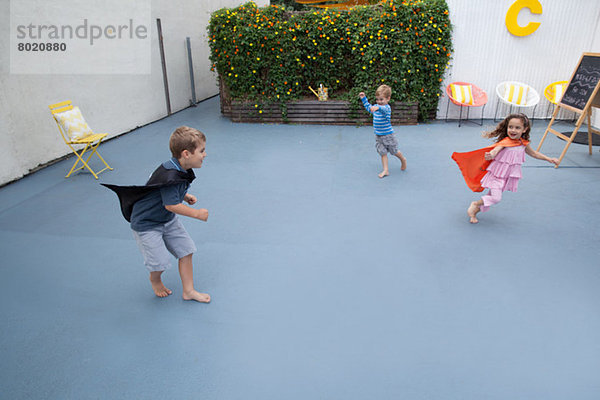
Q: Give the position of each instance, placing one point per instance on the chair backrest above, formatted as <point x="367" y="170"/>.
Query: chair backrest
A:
<point x="532" y="95"/>
<point x="554" y="91"/>
<point x="58" y="108"/>
<point x="479" y="95"/>
<point x="70" y="122"/>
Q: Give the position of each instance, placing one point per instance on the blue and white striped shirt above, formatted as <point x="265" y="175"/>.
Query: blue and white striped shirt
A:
<point x="382" y="118"/>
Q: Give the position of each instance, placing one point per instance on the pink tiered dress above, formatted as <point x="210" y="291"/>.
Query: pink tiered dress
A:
<point x="503" y="174"/>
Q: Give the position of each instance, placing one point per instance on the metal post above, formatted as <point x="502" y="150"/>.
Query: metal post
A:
<point x="191" y="67"/>
<point x="164" y="66"/>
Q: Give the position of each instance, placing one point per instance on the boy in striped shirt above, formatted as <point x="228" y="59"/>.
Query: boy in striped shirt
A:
<point x="385" y="140"/>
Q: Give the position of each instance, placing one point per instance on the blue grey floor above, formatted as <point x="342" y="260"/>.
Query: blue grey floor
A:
<point x="326" y="282"/>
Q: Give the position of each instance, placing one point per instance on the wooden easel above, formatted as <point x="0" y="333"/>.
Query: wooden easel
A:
<point x="581" y="95"/>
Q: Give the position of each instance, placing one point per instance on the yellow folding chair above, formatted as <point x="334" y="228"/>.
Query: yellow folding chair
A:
<point x="75" y="131"/>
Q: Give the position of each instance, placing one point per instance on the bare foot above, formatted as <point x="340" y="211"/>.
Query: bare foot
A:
<point x="383" y="174"/>
<point x="159" y="288"/>
<point x="403" y="161"/>
<point x="472" y="212"/>
<point x="194" y="295"/>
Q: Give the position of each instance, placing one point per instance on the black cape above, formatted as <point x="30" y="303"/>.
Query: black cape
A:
<point x="129" y="195"/>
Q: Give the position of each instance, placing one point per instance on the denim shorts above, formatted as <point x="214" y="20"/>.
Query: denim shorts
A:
<point x="157" y="245"/>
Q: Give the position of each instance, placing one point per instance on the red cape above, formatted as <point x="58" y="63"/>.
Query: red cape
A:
<point x="473" y="164"/>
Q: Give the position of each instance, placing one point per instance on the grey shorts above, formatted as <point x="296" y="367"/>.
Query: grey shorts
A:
<point x="158" y="244"/>
<point x="386" y="144"/>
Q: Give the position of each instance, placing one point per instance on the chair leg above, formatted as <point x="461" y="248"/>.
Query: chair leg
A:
<point x="91" y="149"/>
<point x="496" y="112"/>
<point x="75" y="163"/>
<point x="480" y="123"/>
<point x="447" y="105"/>
<point x="94" y="151"/>
<point x="80" y="159"/>
<point x="482" y="109"/>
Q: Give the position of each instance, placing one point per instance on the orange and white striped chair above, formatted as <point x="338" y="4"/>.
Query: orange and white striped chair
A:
<point x="516" y="94"/>
<point x="465" y="94"/>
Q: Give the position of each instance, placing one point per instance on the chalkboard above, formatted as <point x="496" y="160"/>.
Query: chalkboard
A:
<point x="583" y="83"/>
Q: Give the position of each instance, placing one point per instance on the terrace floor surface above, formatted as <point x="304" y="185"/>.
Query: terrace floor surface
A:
<point x="326" y="281"/>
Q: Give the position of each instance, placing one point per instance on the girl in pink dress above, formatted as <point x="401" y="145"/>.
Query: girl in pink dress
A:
<point x="504" y="171"/>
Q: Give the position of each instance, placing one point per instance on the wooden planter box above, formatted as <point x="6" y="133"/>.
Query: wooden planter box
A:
<point x="331" y="112"/>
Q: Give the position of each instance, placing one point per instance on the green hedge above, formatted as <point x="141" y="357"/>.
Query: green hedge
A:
<point x="270" y="55"/>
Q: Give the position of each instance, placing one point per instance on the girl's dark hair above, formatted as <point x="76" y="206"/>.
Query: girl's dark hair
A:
<point x="501" y="130"/>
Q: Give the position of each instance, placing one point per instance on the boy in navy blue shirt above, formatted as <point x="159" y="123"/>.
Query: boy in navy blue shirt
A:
<point x="152" y="211"/>
<point x="385" y="140"/>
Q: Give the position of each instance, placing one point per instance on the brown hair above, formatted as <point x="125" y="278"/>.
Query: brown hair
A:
<point x="384" y="90"/>
<point x="501" y="130"/>
<point x="185" y="138"/>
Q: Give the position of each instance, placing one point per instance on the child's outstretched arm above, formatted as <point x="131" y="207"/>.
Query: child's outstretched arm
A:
<point x="186" y="211"/>
<point x="366" y="103"/>
<point x="536" y="154"/>
<point x="490" y="155"/>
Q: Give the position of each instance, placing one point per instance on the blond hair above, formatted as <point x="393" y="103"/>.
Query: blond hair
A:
<point x="384" y="90"/>
<point x="185" y="138"/>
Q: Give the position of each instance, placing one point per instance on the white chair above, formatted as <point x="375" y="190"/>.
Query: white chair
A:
<point x="516" y="94"/>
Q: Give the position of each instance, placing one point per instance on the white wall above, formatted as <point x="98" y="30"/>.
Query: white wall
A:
<point x="110" y="103"/>
<point x="485" y="53"/>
